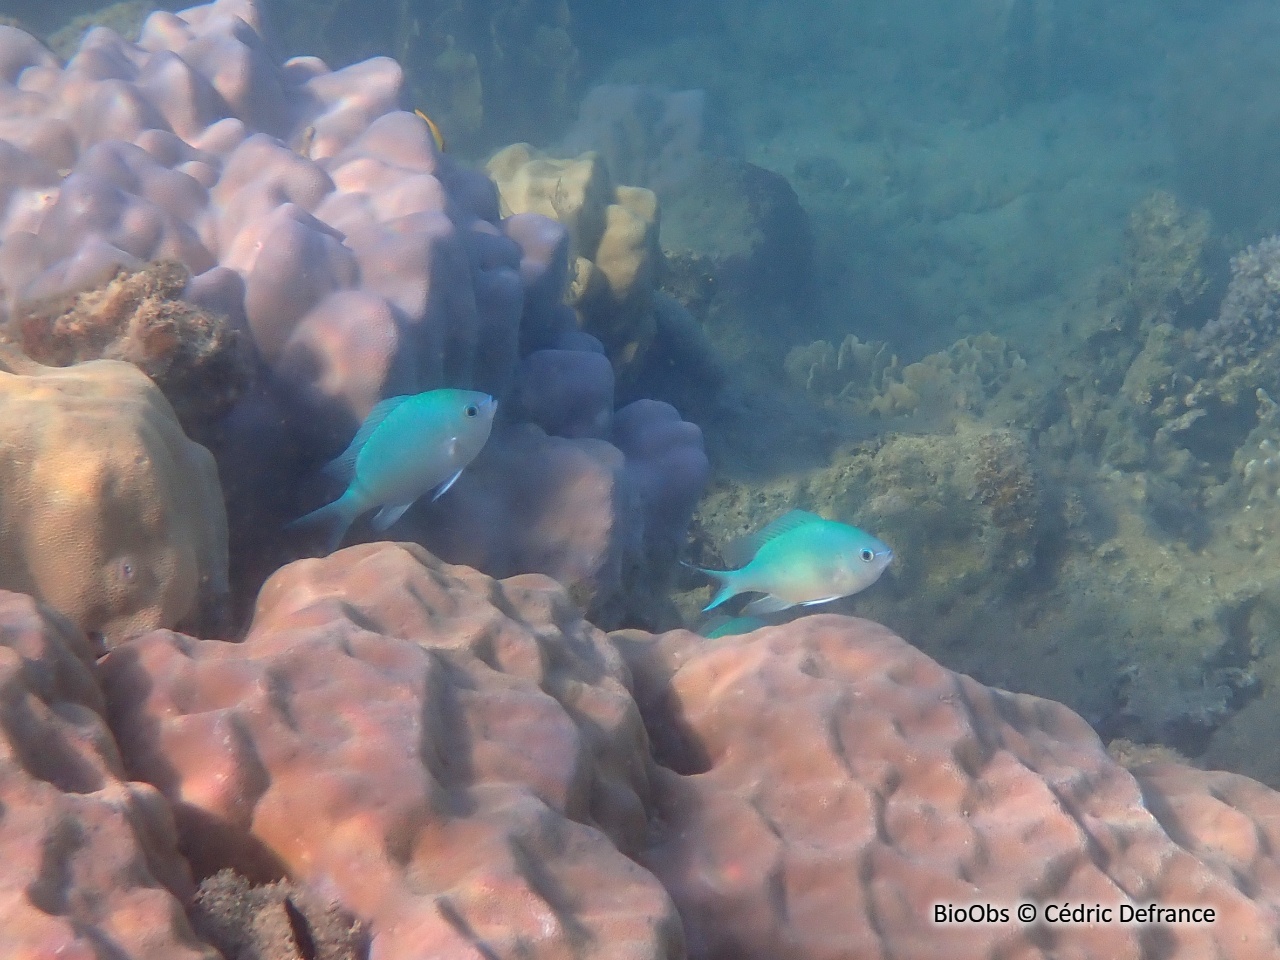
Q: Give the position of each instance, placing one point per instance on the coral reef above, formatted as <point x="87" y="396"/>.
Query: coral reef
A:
<point x="355" y="258"/>
<point x="607" y="513"/>
<point x="645" y="135"/>
<point x="199" y="363"/>
<point x="853" y="371"/>
<point x="791" y="754"/>
<point x="468" y="767"/>
<point x="743" y="222"/>
<point x="747" y="224"/>
<point x="125" y="18"/>
<point x="613" y="232"/>
<point x="508" y="824"/>
<point x="963" y="512"/>
<point x="91" y="857"/>
<point x="1247" y="323"/>
<point x="1168" y="254"/>
<point x="108" y="512"/>
<point x="488" y="72"/>
<point x="965" y="379"/>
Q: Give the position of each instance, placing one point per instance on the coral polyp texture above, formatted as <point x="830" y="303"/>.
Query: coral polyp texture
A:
<point x="308" y="207"/>
<point x="613" y="233"/>
<point x="458" y="761"/>
<point x="356" y="260"/>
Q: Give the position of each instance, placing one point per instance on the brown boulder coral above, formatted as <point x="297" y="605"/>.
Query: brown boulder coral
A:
<point x="613" y="233"/>
<point x="108" y="513"/>
<point x="458" y="761"/>
<point x="91" y="866"/>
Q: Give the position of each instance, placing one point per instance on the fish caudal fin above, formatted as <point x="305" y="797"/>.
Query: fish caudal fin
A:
<point x="337" y="516"/>
<point x="728" y="585"/>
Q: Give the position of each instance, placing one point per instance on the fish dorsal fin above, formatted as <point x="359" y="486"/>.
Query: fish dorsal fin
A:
<point x="343" y="466"/>
<point x="739" y="551"/>
<point x="791" y="520"/>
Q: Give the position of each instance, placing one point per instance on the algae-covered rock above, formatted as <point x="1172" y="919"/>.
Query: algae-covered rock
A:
<point x="199" y="362"/>
<point x="961" y="380"/>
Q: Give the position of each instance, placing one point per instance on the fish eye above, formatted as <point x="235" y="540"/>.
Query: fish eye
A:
<point x="867" y="554"/>
<point x="472" y="411"/>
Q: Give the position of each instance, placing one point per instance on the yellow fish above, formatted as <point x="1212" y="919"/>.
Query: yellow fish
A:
<point x="436" y="135"/>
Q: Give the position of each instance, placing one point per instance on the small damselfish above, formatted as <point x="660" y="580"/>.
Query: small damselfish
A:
<point x="803" y="559"/>
<point x="406" y="447"/>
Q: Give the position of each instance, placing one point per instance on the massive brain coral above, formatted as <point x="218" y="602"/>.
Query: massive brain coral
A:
<point x="358" y="259"/>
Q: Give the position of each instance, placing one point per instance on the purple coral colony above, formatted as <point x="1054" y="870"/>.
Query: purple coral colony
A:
<point x="353" y="260"/>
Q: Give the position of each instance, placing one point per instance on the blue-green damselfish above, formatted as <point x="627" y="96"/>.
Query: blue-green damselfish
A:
<point x="405" y="447"/>
<point x="733" y="627"/>
<point x="802" y="559"/>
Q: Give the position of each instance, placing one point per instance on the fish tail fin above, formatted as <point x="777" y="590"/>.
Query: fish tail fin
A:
<point x="336" y="516"/>
<point x="728" y="584"/>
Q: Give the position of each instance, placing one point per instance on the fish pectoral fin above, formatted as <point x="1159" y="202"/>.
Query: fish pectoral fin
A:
<point x="389" y="515"/>
<point x="445" y="486"/>
<point x="343" y="466"/>
<point x="767" y="604"/>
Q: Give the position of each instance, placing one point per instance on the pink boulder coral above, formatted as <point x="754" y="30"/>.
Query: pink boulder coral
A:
<point x="457" y="760"/>
<point x="461" y="763"/>
<point x="835" y="785"/>
<point x="91" y="865"/>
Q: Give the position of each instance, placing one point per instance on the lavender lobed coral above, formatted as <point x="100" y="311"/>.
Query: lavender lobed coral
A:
<point x="357" y="259"/>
